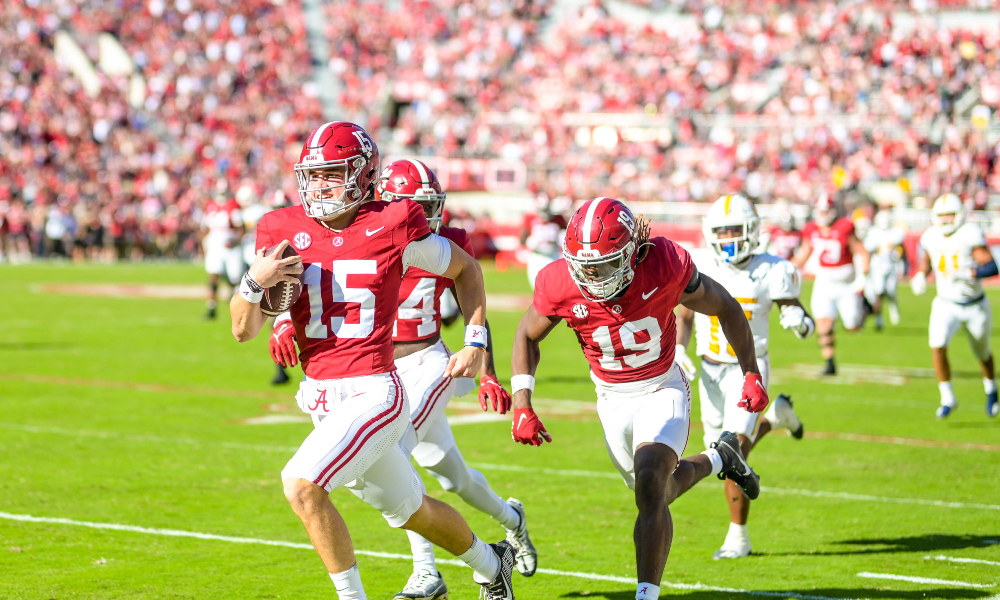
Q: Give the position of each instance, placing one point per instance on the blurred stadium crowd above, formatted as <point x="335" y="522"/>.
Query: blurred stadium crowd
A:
<point x="772" y="98"/>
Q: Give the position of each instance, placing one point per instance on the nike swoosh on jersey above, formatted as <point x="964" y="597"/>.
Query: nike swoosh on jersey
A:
<point x="649" y="293"/>
<point x="370" y="233"/>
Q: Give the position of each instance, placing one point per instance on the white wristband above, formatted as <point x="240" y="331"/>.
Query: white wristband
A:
<point x="522" y="382"/>
<point x="475" y="335"/>
<point x="248" y="294"/>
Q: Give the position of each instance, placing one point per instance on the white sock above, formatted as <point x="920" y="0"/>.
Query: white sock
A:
<point x="349" y="584"/>
<point x="990" y="385"/>
<point x="482" y="559"/>
<point x="647" y="591"/>
<point x="423" y="553"/>
<point x="947" y="395"/>
<point x="714" y="456"/>
<point x="737" y="535"/>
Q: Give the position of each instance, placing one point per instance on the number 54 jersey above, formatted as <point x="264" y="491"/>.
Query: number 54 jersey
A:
<point x="351" y="278"/>
<point x="632" y="338"/>
<point x="756" y="286"/>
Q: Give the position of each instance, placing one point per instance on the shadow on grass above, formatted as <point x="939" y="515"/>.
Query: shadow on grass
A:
<point x="925" y="594"/>
<point x="919" y="543"/>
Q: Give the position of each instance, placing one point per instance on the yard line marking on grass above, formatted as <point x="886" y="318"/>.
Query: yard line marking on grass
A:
<point x="899" y="441"/>
<point x="143" y="387"/>
<point x="868" y="575"/>
<point x="490" y="466"/>
<point x="963" y="560"/>
<point x="389" y="555"/>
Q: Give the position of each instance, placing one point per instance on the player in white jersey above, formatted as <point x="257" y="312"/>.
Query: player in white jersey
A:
<point x="956" y="253"/>
<point x="223" y="226"/>
<point x="757" y="281"/>
<point x="542" y="235"/>
<point x="885" y="244"/>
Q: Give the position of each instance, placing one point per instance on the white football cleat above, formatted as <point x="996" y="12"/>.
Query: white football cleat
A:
<point x="893" y="313"/>
<point x="782" y="414"/>
<point x="424" y="585"/>
<point x="527" y="556"/>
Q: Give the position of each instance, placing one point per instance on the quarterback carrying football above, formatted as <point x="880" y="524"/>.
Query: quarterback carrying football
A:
<point x="617" y="289"/>
<point x="758" y="281"/>
<point x="352" y="254"/>
<point x="956" y="252"/>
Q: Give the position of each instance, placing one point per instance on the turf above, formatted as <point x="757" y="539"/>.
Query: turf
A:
<point x="128" y="410"/>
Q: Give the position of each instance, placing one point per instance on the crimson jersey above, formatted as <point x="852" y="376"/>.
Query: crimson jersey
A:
<point x="222" y="221"/>
<point x="344" y="317"/>
<point x="419" y="316"/>
<point x="632" y="338"/>
<point x="833" y="244"/>
<point x="783" y="243"/>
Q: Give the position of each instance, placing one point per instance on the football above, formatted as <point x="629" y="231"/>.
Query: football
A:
<point x="281" y="296"/>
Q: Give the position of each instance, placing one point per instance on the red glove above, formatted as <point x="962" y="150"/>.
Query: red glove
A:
<point x="491" y="390"/>
<point x="754" y="397"/>
<point x="282" y="344"/>
<point x="527" y="428"/>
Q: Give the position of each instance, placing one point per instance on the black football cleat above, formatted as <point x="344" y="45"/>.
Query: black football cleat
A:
<point x="280" y="377"/>
<point x="502" y="586"/>
<point x="831" y="368"/>
<point x="210" y="314"/>
<point x="734" y="466"/>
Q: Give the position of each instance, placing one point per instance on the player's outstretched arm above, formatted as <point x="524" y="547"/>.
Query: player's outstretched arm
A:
<point x="795" y="317"/>
<point x="533" y="328"/>
<point x="704" y="295"/>
<point x="266" y="271"/>
<point x="987" y="267"/>
<point x="471" y="295"/>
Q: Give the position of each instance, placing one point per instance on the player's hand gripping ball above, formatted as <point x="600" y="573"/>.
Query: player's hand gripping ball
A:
<point x="490" y="390"/>
<point x="527" y="428"/>
<point x="754" y="396"/>
<point x="279" y="271"/>
<point x="282" y="344"/>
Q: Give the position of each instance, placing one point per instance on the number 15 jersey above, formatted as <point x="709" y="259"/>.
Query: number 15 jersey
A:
<point x="632" y="338"/>
<point x="351" y="278"/>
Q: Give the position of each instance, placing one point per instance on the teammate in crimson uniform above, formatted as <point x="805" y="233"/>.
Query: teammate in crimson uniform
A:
<point x="352" y="254"/>
<point x="617" y="289"/>
<point x="839" y="285"/>
<point x="781" y="238"/>
<point x="224" y="228"/>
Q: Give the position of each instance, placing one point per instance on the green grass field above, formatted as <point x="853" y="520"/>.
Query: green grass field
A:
<point x="131" y="410"/>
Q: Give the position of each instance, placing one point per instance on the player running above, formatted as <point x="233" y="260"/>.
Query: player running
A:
<point x="223" y="226"/>
<point x="617" y="289"/>
<point x="781" y="238"/>
<point x="957" y="254"/>
<point x="353" y="256"/>
<point x="838" y="286"/>
<point x="888" y="259"/>
<point x="541" y="235"/>
<point x="758" y="281"/>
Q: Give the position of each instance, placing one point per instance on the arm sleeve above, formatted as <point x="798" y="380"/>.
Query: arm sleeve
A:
<point x="785" y="283"/>
<point x="431" y="253"/>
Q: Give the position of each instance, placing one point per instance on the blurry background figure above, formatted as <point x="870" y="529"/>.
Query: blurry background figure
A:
<point x="888" y="263"/>
<point x="781" y="237"/>
<point x="543" y="233"/>
<point x="222" y="225"/>
<point x="252" y="210"/>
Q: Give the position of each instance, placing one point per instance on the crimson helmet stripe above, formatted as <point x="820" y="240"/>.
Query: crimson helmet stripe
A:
<point x="425" y="179"/>
<point x="319" y="134"/>
<point x="588" y="221"/>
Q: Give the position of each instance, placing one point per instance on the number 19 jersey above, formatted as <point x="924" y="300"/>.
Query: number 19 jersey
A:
<point x="351" y="278"/>
<point x="763" y="280"/>
<point x="419" y="316"/>
<point x="632" y="338"/>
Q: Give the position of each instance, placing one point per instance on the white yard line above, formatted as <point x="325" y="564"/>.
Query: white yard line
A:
<point x="489" y="466"/>
<point x="868" y="575"/>
<point x="957" y="559"/>
<point x="388" y="555"/>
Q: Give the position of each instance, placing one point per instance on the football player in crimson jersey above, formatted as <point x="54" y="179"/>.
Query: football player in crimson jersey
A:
<point x="223" y="226"/>
<point x="759" y="281"/>
<point x="781" y="238"/>
<point x="838" y="287"/>
<point x="352" y="254"/>
<point x="617" y="289"/>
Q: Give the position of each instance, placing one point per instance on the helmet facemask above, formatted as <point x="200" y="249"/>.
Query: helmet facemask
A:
<point x="329" y="188"/>
<point x="601" y="278"/>
<point x="429" y="199"/>
<point x="948" y="222"/>
<point x="732" y="243"/>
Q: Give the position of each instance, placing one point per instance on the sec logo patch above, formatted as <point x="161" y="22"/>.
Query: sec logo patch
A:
<point x="302" y="240"/>
<point x="580" y="311"/>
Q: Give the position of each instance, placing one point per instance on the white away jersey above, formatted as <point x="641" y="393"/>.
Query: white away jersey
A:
<point x="763" y="280"/>
<point x="951" y="261"/>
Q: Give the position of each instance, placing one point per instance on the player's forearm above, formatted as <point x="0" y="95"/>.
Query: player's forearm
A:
<point x="524" y="360"/>
<point x="471" y="293"/>
<point x="247" y="318"/>
<point x="685" y="322"/>
<point x="489" y="367"/>
<point x="736" y="328"/>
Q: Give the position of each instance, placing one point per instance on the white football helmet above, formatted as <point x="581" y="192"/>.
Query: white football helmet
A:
<point x="734" y="217"/>
<point x="948" y="204"/>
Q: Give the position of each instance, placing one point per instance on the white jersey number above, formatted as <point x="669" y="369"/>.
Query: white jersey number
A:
<point x="420" y="305"/>
<point x="312" y="279"/>
<point x="645" y="352"/>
